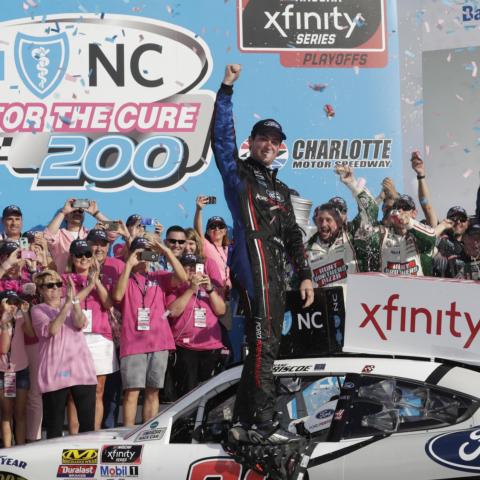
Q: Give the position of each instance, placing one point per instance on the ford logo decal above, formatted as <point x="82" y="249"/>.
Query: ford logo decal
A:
<point x="457" y="450"/>
<point x="325" y="413"/>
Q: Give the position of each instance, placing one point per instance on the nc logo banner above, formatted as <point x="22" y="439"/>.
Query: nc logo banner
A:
<point x="41" y="61"/>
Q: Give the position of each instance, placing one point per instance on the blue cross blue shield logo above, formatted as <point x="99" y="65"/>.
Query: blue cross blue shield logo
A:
<point x="41" y="61"/>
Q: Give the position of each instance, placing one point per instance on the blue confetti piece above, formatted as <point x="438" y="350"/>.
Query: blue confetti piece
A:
<point x="410" y="54"/>
<point x="111" y="39"/>
<point x="90" y="72"/>
<point x="466" y="150"/>
<point x="65" y="119"/>
<point x="102" y="15"/>
<point x="419" y="102"/>
<point x="13" y="87"/>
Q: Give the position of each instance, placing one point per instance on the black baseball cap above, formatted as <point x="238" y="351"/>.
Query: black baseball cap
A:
<point x="215" y="221"/>
<point x="79" y="246"/>
<point x="269" y="125"/>
<point x="405" y="201"/>
<point x="133" y="219"/>
<point x="97" y="235"/>
<point x="7" y="247"/>
<point x="12" y="210"/>
<point x="10" y="295"/>
<point x="139" y="242"/>
<point x="189" y="259"/>
<point x="457" y="211"/>
<point x="340" y="203"/>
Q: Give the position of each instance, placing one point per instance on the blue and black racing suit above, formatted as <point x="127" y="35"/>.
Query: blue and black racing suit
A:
<point x="265" y="231"/>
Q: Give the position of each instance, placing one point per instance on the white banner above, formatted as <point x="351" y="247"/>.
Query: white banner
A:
<point x="414" y="316"/>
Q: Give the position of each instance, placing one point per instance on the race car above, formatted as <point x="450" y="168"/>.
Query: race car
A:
<point x="364" y="417"/>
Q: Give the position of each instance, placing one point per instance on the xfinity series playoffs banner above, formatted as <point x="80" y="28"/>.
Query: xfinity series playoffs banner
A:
<point x="400" y="315"/>
<point x="113" y="100"/>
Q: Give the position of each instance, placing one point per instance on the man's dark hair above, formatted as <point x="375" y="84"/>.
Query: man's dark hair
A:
<point x="175" y="228"/>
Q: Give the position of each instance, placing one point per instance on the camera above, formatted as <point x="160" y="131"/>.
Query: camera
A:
<point x="149" y="256"/>
<point x="81" y="203"/>
<point x="111" y="226"/>
<point x="28" y="255"/>
<point x="147" y="222"/>
<point x="23" y="241"/>
<point x="211" y="200"/>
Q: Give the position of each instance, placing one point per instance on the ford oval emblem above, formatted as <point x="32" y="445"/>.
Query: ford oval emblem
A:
<point x="325" y="413"/>
<point x="457" y="450"/>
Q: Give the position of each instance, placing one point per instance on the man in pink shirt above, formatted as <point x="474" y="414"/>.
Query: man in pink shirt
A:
<point x="59" y="239"/>
<point x="146" y="336"/>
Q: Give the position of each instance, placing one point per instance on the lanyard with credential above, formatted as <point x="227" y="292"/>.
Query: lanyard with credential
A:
<point x="142" y="292"/>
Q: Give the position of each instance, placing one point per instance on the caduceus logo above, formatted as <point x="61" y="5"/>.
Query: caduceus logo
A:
<point x="41" y="61"/>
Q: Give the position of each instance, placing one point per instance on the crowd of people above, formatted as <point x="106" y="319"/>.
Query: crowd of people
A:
<point x="90" y="318"/>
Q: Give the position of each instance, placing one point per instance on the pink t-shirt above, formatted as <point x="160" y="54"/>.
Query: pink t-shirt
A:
<point x="59" y="245"/>
<point x="147" y="291"/>
<point x="18" y="355"/>
<point x="185" y="333"/>
<point x="111" y="270"/>
<point x="64" y="359"/>
<point x="100" y="322"/>
<point x="219" y="256"/>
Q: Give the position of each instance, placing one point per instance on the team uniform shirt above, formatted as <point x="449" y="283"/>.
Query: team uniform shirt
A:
<point x="388" y="252"/>
<point x="220" y="256"/>
<point x="100" y="323"/>
<point x="330" y="264"/>
<point x="145" y="291"/>
<point x="64" y="358"/>
<point x="59" y="245"/>
<point x="16" y="359"/>
<point x="197" y="328"/>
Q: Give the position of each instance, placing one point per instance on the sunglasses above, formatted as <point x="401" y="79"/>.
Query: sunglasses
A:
<point x="216" y="226"/>
<point x="51" y="285"/>
<point x="404" y="206"/>
<point x="174" y="241"/>
<point x="459" y="219"/>
<point x="84" y="254"/>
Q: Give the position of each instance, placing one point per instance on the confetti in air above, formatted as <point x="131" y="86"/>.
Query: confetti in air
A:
<point x="467" y="173"/>
<point x="318" y="87"/>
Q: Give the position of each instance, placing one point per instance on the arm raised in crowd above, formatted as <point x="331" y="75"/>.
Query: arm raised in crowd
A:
<point x="198" y="220"/>
<point x="54" y="226"/>
<point x="179" y="271"/>
<point x="423" y="190"/>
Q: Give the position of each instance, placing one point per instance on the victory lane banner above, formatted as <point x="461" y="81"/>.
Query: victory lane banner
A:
<point x="399" y="316"/>
<point x="328" y="34"/>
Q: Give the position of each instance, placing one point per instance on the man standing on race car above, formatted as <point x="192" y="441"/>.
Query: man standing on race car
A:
<point x="265" y="231"/>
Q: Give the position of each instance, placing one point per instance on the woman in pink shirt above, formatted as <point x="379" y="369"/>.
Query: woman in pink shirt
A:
<point x="14" y="379"/>
<point x="65" y="363"/>
<point x="194" y="309"/>
<point x="95" y="302"/>
<point x="215" y="241"/>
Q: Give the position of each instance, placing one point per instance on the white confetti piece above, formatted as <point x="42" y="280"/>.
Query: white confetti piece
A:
<point x="474" y="69"/>
<point x="427" y="150"/>
<point x="379" y="136"/>
<point x="427" y="26"/>
<point x="467" y="173"/>
<point x="356" y="70"/>
<point x="459" y="97"/>
<point x="257" y="116"/>
<point x="361" y="182"/>
<point x="449" y="58"/>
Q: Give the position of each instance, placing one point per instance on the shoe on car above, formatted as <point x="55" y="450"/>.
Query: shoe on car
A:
<point x="271" y="433"/>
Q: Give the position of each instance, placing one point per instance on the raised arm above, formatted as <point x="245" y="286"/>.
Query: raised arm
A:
<point x="423" y="190"/>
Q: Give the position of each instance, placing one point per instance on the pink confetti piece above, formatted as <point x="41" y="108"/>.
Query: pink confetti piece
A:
<point x="166" y="314"/>
<point x="449" y="58"/>
<point x="257" y="116"/>
<point x="70" y="78"/>
<point x="427" y="150"/>
<point x="25" y="6"/>
<point x="467" y="173"/>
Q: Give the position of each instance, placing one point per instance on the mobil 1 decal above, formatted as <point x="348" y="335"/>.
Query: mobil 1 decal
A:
<point x="103" y="101"/>
<point x="335" y="33"/>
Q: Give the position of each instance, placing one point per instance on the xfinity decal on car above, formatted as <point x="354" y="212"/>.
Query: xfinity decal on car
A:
<point x="458" y="450"/>
<point x="122" y="454"/>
